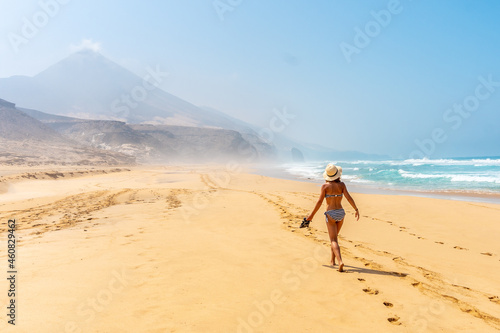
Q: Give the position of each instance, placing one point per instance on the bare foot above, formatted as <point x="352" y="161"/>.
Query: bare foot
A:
<point x="332" y="262"/>
<point x="341" y="267"/>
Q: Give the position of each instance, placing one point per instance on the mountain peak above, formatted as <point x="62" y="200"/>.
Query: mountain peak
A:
<point x="88" y="85"/>
<point x="86" y="51"/>
<point x="81" y="62"/>
<point x="87" y="54"/>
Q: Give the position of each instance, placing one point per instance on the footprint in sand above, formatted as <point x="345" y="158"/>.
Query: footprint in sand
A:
<point x="439" y="242"/>
<point x="362" y="280"/>
<point x="389" y="305"/>
<point x="416" y="284"/>
<point x="487" y="254"/>
<point x="494" y="299"/>
<point x="394" y="320"/>
<point x="371" y="291"/>
<point x="460" y="248"/>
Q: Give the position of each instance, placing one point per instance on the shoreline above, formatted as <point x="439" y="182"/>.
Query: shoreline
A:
<point x="273" y="171"/>
<point x="10" y="175"/>
<point x="481" y="197"/>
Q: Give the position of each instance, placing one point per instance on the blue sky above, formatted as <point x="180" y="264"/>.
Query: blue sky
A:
<point x="391" y="97"/>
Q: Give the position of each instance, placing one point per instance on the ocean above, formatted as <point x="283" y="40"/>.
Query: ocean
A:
<point x="463" y="176"/>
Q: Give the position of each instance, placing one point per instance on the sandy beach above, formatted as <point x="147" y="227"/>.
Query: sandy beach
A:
<point x="218" y="249"/>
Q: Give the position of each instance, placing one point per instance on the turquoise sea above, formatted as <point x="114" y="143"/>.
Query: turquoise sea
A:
<point x="456" y="175"/>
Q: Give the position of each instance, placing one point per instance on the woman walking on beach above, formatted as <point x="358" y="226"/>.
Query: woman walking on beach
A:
<point x="332" y="191"/>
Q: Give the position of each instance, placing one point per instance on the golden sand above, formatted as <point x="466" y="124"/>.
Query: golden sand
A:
<point x="207" y="249"/>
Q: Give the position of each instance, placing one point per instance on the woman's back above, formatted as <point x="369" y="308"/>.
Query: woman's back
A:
<point x="333" y="194"/>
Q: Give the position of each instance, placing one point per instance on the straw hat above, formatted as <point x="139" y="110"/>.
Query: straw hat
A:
<point x="332" y="172"/>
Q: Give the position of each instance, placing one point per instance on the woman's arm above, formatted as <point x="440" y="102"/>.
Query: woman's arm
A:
<point x="351" y="201"/>
<point x="318" y="204"/>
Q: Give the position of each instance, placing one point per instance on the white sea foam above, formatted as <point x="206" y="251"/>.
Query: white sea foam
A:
<point x="426" y="161"/>
<point x="356" y="179"/>
<point x="416" y="174"/>
<point x="453" y="177"/>
<point x="471" y="178"/>
<point x="444" y="162"/>
<point x="407" y="174"/>
<point x="304" y="171"/>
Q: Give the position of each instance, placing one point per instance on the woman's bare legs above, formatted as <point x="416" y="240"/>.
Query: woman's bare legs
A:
<point x="333" y="233"/>
<point x="339" y="225"/>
